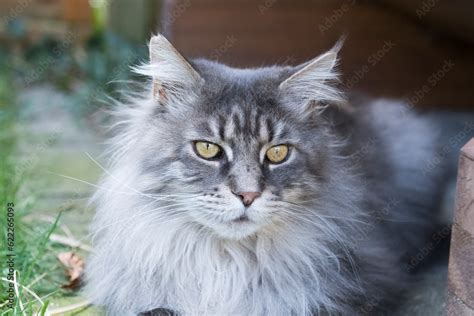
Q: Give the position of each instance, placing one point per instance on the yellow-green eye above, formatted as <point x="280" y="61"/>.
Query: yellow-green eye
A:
<point x="277" y="154"/>
<point x="207" y="150"/>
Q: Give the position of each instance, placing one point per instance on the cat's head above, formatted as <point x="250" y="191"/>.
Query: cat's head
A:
<point x="243" y="150"/>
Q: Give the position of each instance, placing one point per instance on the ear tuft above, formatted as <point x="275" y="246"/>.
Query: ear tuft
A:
<point x="171" y="72"/>
<point x="313" y="84"/>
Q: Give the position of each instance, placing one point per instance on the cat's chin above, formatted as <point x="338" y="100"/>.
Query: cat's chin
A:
<point x="236" y="230"/>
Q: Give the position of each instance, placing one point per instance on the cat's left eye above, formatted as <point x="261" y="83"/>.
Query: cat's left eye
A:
<point x="207" y="150"/>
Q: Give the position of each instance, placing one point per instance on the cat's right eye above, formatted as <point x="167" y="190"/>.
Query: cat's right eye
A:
<point x="207" y="150"/>
<point x="277" y="154"/>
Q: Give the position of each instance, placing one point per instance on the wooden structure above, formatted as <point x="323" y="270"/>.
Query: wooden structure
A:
<point x="460" y="298"/>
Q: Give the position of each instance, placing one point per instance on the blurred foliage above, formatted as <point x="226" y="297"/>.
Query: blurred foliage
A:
<point x="88" y="70"/>
<point x="99" y="14"/>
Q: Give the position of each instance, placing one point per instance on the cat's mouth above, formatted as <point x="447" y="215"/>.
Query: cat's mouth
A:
<point x="240" y="226"/>
<point x="241" y="219"/>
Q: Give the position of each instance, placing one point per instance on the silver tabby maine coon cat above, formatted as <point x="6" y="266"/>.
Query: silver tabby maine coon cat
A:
<point x="260" y="192"/>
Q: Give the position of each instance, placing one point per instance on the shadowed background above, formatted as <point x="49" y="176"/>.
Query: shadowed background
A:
<point x="418" y="50"/>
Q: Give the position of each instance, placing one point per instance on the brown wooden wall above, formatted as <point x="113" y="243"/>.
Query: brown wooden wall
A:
<point x="391" y="50"/>
<point x="54" y="17"/>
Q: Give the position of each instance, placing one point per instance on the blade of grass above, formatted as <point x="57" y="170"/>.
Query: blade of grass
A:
<point x="44" y="309"/>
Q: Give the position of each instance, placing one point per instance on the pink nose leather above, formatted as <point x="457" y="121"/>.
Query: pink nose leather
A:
<point x="248" y="197"/>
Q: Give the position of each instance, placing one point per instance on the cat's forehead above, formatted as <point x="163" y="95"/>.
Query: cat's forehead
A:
<point x="210" y="69"/>
<point x="231" y="85"/>
<point x="228" y="91"/>
<point x="246" y="124"/>
<point x="249" y="126"/>
<point x="241" y="105"/>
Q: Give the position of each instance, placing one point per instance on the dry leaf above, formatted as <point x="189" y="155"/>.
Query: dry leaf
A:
<point x="74" y="268"/>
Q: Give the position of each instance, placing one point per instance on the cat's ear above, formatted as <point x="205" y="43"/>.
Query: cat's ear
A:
<point x="171" y="73"/>
<point x="313" y="85"/>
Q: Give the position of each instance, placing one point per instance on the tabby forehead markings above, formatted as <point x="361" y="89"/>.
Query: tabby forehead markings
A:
<point x="214" y="126"/>
<point x="241" y="123"/>
<point x="238" y="120"/>
<point x="278" y="130"/>
<point x="252" y="122"/>
<point x="264" y="129"/>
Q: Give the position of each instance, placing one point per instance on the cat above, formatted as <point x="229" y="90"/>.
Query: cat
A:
<point x="260" y="192"/>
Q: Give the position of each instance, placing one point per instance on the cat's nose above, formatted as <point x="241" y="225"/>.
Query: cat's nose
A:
<point x="248" y="197"/>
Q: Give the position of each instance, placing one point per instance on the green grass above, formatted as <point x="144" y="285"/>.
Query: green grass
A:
<point x="35" y="263"/>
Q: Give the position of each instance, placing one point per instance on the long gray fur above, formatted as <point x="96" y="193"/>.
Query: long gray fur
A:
<point x="334" y="229"/>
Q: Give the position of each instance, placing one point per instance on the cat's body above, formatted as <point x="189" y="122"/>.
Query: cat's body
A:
<point x="333" y="225"/>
